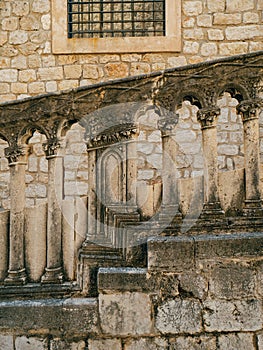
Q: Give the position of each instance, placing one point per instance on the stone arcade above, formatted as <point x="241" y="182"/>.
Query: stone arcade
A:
<point x="132" y="283"/>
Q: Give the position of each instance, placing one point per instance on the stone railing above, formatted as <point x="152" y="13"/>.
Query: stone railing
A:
<point x="113" y="217"/>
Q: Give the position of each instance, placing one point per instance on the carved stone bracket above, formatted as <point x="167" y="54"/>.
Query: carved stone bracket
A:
<point x="51" y="147"/>
<point x="207" y="116"/>
<point x="14" y="152"/>
<point x="249" y="109"/>
<point x="168" y="124"/>
<point x="112" y="135"/>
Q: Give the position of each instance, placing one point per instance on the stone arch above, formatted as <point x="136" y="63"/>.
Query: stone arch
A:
<point x="236" y="91"/>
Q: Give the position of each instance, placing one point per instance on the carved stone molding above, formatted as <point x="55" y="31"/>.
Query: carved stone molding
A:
<point x="14" y="153"/>
<point x="113" y="135"/>
<point x="249" y="109"/>
<point x="207" y="116"/>
<point x="51" y="147"/>
<point x="168" y="124"/>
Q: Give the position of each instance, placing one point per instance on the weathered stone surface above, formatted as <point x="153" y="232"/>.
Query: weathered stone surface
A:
<point x="122" y="279"/>
<point x="6" y="342"/>
<point x="179" y="316"/>
<point x="146" y="343"/>
<point x="240" y="341"/>
<point x="193" y="284"/>
<point x="233" y="316"/>
<point x="125" y="313"/>
<point x="232" y="282"/>
<point x="260" y="341"/>
<point x="193" y="343"/>
<point x="31" y="343"/>
<point x="77" y="316"/>
<point x="102" y="344"/>
<point x="58" y="344"/>
<point x="232" y="245"/>
<point x="171" y="253"/>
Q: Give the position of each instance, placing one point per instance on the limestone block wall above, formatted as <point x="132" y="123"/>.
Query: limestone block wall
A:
<point x="210" y="29"/>
<point x="199" y="293"/>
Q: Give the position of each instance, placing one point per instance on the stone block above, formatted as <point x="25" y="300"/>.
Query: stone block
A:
<point x="69" y="316"/>
<point x="140" y="68"/>
<point x="18" y="37"/>
<point x="232" y="281"/>
<point x="171" y="253"/>
<point x="193" y="34"/>
<point x="10" y="23"/>
<point x="8" y="75"/>
<point x="6" y="342"/>
<point x="116" y="70"/>
<point x="58" y="344"/>
<point x="215" y="34"/>
<point x="226" y="18"/>
<point x="20" y="8"/>
<point x="260" y="341"/>
<point x="191" y="47"/>
<point x="209" y="49"/>
<point x="240" y="341"/>
<point x="192" y="8"/>
<point x="227" y="316"/>
<point x="103" y="344"/>
<point x="231" y="245"/>
<point x="27" y="75"/>
<point x="31" y="343"/>
<point x="216" y="6"/>
<point x="239" y="5"/>
<point x="122" y="279"/>
<point x="204" y="21"/>
<point x="193" y="284"/>
<point x="50" y="73"/>
<point x="73" y="72"/>
<point x="125" y="313"/>
<point x="41" y="6"/>
<point x="179" y="316"/>
<point x="146" y="344"/>
<point x="250" y="31"/>
<point x="193" y="343"/>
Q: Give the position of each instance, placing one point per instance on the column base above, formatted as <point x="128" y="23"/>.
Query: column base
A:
<point x="16" y="278"/>
<point x="253" y="208"/>
<point x="170" y="215"/>
<point x="212" y="210"/>
<point x="53" y="276"/>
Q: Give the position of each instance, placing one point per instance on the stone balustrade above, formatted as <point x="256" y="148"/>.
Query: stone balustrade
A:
<point x="115" y="231"/>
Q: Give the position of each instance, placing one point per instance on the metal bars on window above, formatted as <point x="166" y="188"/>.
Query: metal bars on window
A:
<point x="116" y="18"/>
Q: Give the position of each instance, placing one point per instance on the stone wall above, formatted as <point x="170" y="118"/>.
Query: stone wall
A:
<point x="210" y="29"/>
<point x="199" y="293"/>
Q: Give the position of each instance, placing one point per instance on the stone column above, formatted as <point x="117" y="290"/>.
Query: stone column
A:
<point x="249" y="111"/>
<point x="207" y="118"/>
<point x="170" y="192"/>
<point x="17" y="162"/>
<point x="53" y="271"/>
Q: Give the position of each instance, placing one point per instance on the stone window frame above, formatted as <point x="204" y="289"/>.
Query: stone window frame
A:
<point x="61" y="44"/>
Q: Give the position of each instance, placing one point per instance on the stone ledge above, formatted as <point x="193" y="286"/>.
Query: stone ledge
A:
<point x="122" y="279"/>
<point x="75" y="316"/>
<point x="182" y="252"/>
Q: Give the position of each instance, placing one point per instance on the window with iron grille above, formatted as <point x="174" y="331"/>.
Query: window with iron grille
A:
<point x="121" y="26"/>
<point x="116" y="18"/>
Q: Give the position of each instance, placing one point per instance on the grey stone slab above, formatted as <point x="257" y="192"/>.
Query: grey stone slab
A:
<point x="179" y="316"/>
<point x="171" y="253"/>
<point x="122" y="279"/>
<point x="77" y="316"/>
<point x="232" y="245"/>
<point x="193" y="343"/>
<point x="30" y="343"/>
<point x="233" y="316"/>
<point x="125" y="313"/>
<point x="240" y="341"/>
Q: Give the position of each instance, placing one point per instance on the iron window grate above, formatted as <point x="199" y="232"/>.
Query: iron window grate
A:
<point x="116" y="18"/>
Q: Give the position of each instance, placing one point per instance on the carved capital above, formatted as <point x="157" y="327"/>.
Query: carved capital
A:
<point x="168" y="124"/>
<point x="113" y="135"/>
<point x="207" y="117"/>
<point x="249" y="109"/>
<point x="14" y="153"/>
<point x="51" y="147"/>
